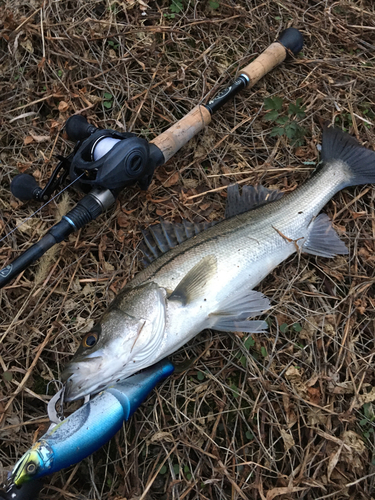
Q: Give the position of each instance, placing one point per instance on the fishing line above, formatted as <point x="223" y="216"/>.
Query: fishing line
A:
<point x="39" y="209"/>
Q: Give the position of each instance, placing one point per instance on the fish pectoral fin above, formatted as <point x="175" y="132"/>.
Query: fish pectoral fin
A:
<point x="251" y="197"/>
<point x="322" y="239"/>
<point x="233" y="317"/>
<point x="194" y="284"/>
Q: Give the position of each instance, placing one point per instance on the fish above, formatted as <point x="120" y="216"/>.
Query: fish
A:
<point x="89" y="427"/>
<point x="202" y="277"/>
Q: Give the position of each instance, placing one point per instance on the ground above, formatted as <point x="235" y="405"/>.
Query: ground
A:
<point x="284" y="414"/>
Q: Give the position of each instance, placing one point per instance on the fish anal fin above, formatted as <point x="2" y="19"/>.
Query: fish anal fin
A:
<point x="250" y="198"/>
<point x="322" y="239"/>
<point x="234" y="316"/>
<point x="194" y="284"/>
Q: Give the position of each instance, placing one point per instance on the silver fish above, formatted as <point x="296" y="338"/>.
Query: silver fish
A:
<point x="208" y="280"/>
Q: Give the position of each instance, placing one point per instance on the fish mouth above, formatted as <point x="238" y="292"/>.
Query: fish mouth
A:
<point x="80" y="378"/>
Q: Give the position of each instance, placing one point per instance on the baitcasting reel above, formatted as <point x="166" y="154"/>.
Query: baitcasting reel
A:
<point x="102" y="158"/>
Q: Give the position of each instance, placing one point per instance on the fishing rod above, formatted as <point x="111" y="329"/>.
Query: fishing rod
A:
<point x="105" y="161"/>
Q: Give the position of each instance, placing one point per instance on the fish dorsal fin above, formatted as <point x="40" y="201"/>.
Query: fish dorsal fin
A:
<point x="160" y="238"/>
<point x="250" y="198"/>
<point x="194" y="284"/>
<point x="322" y="239"/>
<point x="164" y="236"/>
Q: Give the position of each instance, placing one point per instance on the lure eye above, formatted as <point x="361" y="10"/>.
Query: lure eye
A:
<point x="31" y="468"/>
<point x="90" y="339"/>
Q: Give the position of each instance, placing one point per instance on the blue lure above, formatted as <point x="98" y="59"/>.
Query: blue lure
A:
<point x="90" y="427"/>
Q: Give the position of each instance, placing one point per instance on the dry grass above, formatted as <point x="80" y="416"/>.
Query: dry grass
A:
<point x="290" y="416"/>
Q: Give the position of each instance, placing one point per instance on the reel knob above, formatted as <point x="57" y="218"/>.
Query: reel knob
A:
<point x="24" y="187"/>
<point x="78" y="128"/>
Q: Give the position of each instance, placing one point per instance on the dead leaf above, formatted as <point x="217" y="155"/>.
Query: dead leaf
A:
<point x="63" y="106"/>
<point x="275" y="492"/>
<point x="314" y="394"/>
<point x="28" y="46"/>
<point x="122" y="220"/>
<point x="39" y="138"/>
<point x="173" y="180"/>
<point x="333" y="459"/>
<point x="162" y="436"/>
<point x="28" y="140"/>
<point x="288" y="439"/>
<point x="368" y="397"/>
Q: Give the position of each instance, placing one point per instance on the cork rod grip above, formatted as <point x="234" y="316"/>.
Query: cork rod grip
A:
<point x="263" y="64"/>
<point x="170" y="141"/>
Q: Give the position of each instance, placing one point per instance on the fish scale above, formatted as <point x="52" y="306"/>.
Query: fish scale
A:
<point x="208" y="280"/>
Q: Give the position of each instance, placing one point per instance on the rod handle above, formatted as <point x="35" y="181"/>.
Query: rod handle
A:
<point x="170" y="141"/>
<point x="290" y="40"/>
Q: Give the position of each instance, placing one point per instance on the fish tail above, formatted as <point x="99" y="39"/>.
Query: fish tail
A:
<point x="338" y="145"/>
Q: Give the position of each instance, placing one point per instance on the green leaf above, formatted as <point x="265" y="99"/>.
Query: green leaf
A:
<point x="107" y="104"/>
<point x="163" y="470"/>
<point x="249" y="342"/>
<point x="297" y="109"/>
<point x="107" y="95"/>
<point x="363" y="422"/>
<point x="213" y="4"/>
<point x="176" y="6"/>
<point x="283" y="327"/>
<point x="275" y="103"/>
<point x="235" y="390"/>
<point x="282" y="120"/>
<point x="186" y="469"/>
<point x="176" y="469"/>
<point x="263" y="351"/>
<point x="277" y="132"/>
<point x="297" y="327"/>
<point x="249" y="435"/>
<point x="7" y="376"/>
<point x="271" y="116"/>
<point x="243" y="361"/>
<point x="201" y="376"/>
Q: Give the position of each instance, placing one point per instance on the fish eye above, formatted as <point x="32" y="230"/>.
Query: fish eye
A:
<point x="31" y="468"/>
<point x="90" y="339"/>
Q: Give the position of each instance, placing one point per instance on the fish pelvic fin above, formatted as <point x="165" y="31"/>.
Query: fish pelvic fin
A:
<point x="338" y="145"/>
<point x="322" y="239"/>
<point x="234" y="316"/>
<point x="194" y="284"/>
<point x="250" y="198"/>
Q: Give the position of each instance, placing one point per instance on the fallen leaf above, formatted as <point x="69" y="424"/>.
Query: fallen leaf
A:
<point x="333" y="459"/>
<point x="173" y="180"/>
<point x="288" y="439"/>
<point x="28" y="140"/>
<point x="27" y="45"/>
<point x="162" y="436"/>
<point x="40" y="138"/>
<point x="271" y="494"/>
<point x="63" y="106"/>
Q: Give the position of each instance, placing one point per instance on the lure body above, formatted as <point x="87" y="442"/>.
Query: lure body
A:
<point x="90" y="427"/>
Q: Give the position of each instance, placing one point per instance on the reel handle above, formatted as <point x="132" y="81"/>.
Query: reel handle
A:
<point x="170" y="141"/>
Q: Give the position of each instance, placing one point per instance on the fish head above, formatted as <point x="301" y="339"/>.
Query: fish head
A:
<point x="125" y="341"/>
<point x="35" y="463"/>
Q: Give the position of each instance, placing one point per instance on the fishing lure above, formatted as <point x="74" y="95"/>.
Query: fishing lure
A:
<point x="88" y="428"/>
